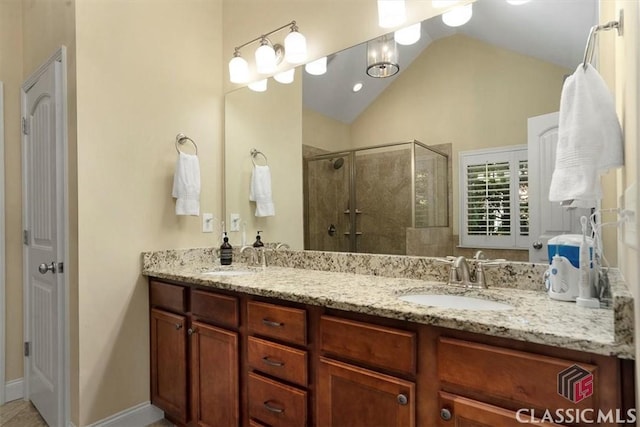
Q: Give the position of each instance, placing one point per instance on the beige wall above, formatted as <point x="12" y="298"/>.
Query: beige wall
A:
<point x="270" y="122"/>
<point x="12" y="76"/>
<point x="146" y="71"/>
<point x="465" y="92"/>
<point x="324" y="132"/>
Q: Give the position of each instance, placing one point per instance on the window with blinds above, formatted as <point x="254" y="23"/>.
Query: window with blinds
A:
<point x="494" y="203"/>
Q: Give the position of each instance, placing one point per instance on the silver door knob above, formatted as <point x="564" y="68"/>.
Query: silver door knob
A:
<point x="44" y="268"/>
<point x="445" y="414"/>
<point x="537" y="245"/>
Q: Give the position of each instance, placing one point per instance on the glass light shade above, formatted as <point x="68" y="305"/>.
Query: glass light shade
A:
<point x="238" y="70"/>
<point x="391" y="13"/>
<point x="285" y="77"/>
<point x="295" y="48"/>
<point x="517" y="2"/>
<point x="265" y="59"/>
<point x="259" y="86"/>
<point x="458" y="16"/>
<point x="317" y="67"/>
<point x="408" y="35"/>
<point x="382" y="57"/>
<point x="440" y="4"/>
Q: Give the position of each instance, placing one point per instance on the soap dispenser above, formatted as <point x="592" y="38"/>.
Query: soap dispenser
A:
<point x="258" y="243"/>
<point x="226" y="251"/>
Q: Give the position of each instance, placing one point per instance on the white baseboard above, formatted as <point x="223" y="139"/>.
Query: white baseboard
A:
<point x="136" y="416"/>
<point x="14" y="390"/>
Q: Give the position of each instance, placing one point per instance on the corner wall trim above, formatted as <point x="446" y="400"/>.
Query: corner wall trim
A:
<point x="139" y="415"/>
<point x="14" y="390"/>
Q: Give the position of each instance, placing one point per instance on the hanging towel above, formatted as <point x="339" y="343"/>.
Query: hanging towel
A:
<point x="260" y="191"/>
<point x="589" y="139"/>
<point x="186" y="185"/>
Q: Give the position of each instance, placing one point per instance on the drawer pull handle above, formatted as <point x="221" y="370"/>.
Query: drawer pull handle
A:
<point x="273" y="408"/>
<point x="402" y="399"/>
<point x="445" y="414"/>
<point x="272" y="323"/>
<point x="272" y="362"/>
<point x="178" y="326"/>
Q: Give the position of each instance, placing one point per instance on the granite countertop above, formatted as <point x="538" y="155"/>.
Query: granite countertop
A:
<point x="534" y="318"/>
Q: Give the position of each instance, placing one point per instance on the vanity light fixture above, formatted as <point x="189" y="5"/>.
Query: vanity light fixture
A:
<point x="285" y="77"/>
<point x="408" y="35"/>
<point x="317" y="67"/>
<point x="458" y="16"/>
<point x="258" y="86"/>
<point x="382" y="57"/>
<point x="391" y="13"/>
<point x="269" y="55"/>
<point x="357" y="87"/>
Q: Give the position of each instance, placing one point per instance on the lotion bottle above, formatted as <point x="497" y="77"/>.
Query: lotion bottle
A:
<point x="226" y="251"/>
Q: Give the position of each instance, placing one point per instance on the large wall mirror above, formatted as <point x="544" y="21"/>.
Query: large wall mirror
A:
<point x="459" y="89"/>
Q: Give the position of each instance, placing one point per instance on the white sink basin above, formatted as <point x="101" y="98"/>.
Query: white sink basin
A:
<point x="228" y="272"/>
<point x="455" y="301"/>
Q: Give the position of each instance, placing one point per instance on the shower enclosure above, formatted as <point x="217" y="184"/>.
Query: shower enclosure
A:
<point x="368" y="199"/>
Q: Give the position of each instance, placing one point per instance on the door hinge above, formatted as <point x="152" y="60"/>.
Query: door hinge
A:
<point x="25" y="126"/>
<point x="25" y="237"/>
<point x="26" y="348"/>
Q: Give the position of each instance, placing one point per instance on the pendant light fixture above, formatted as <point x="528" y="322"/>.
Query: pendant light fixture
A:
<point x="269" y="55"/>
<point x="391" y="13"/>
<point x="458" y="16"/>
<point x="382" y="57"/>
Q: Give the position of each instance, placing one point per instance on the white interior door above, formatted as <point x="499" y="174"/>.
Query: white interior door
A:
<point x="547" y="219"/>
<point x="43" y="250"/>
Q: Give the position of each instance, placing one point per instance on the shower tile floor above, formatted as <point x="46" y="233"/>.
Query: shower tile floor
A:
<point x="20" y="413"/>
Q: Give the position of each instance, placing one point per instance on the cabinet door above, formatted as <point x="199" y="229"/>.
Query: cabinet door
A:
<point x="349" y="396"/>
<point x="214" y="376"/>
<point x="458" y="411"/>
<point x="169" y="363"/>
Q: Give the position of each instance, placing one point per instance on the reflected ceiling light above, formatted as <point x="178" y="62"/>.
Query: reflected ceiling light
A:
<point x="408" y="35"/>
<point x="238" y="69"/>
<point x="317" y="67"/>
<point x="440" y="4"/>
<point x="382" y="57"/>
<point x="391" y="13"/>
<point x="357" y="87"/>
<point x="269" y="55"/>
<point x="259" y="86"/>
<point x="517" y="2"/>
<point x="285" y="77"/>
<point x="458" y="16"/>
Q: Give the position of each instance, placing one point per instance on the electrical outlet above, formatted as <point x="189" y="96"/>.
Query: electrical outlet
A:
<point x="207" y="223"/>
<point x="630" y="227"/>
<point x="235" y="222"/>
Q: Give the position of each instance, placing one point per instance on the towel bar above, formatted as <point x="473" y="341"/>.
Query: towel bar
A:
<point x="255" y="153"/>
<point x="181" y="138"/>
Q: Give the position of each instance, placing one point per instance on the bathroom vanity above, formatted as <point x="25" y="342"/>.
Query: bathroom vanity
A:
<point x="301" y="347"/>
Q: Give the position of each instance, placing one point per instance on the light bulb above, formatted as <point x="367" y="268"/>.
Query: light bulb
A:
<point x="259" y="86"/>
<point x="295" y="48"/>
<point x="408" y="35"/>
<point x="265" y="58"/>
<point x="458" y="16"/>
<point x="238" y="70"/>
<point x="391" y="13"/>
<point x="317" y="67"/>
<point x="285" y="77"/>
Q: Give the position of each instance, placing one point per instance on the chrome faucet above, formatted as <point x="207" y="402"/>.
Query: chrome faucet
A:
<point x="461" y="275"/>
<point x="282" y="245"/>
<point x="254" y="254"/>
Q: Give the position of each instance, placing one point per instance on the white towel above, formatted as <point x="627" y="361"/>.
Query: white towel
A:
<point x="589" y="139"/>
<point x="186" y="185"/>
<point x="260" y="191"/>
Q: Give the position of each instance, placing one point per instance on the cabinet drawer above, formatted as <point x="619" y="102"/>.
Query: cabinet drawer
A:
<point x="276" y="404"/>
<point x="525" y="378"/>
<point x="284" y="323"/>
<point x="214" y="307"/>
<point x="171" y="297"/>
<point x="371" y="344"/>
<point x="284" y="362"/>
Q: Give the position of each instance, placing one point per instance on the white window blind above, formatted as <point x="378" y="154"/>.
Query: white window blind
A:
<point x="494" y="198"/>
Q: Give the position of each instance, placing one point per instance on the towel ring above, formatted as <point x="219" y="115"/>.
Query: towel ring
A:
<point x="255" y="153"/>
<point x="181" y="138"/>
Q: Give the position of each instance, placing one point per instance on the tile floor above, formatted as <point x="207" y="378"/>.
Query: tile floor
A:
<point x="19" y="413"/>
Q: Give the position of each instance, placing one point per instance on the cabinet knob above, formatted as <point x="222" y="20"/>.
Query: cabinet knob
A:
<point x="402" y="399"/>
<point x="445" y="414"/>
<point x="192" y="331"/>
<point x="178" y="325"/>
<point x="537" y="245"/>
<point x="273" y="408"/>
